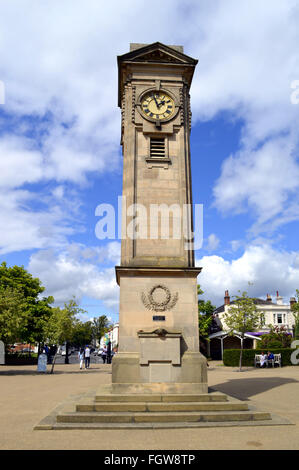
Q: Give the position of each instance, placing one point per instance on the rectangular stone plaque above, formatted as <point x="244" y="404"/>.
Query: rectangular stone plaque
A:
<point x="159" y="318"/>
<point x="154" y="348"/>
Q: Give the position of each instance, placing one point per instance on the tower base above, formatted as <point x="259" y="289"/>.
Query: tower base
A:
<point x="128" y="376"/>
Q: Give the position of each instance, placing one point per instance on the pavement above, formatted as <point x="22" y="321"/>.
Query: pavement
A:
<point x="27" y="396"/>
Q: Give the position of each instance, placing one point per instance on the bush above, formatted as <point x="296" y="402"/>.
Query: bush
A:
<point x="18" y="359"/>
<point x="277" y="338"/>
<point x="271" y="344"/>
<point x="231" y="357"/>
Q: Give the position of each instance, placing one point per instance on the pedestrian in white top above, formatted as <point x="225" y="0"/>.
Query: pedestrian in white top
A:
<point x="81" y="357"/>
<point x="263" y="360"/>
<point x="87" y="357"/>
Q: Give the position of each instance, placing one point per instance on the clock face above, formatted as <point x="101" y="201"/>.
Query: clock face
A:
<point x="157" y="105"/>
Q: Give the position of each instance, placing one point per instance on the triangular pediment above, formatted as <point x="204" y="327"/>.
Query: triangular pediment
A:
<point x="157" y="53"/>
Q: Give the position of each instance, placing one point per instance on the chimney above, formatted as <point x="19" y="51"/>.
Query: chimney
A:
<point x="269" y="298"/>
<point x="226" y="298"/>
<point x="279" y="299"/>
<point x="292" y="301"/>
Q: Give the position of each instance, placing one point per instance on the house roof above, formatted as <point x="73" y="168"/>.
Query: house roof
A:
<point x="222" y="333"/>
<point x="256" y="301"/>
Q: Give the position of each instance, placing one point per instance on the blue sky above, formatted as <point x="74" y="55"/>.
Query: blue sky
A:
<point x="60" y="131"/>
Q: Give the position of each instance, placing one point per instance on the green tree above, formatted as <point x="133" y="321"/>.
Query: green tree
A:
<point x="205" y="310"/>
<point x="295" y="312"/>
<point x="35" y="309"/>
<point x="277" y="337"/>
<point x="241" y="317"/>
<point x="13" y="317"/>
<point x="83" y="333"/>
<point x="60" y="327"/>
<point x="100" y="326"/>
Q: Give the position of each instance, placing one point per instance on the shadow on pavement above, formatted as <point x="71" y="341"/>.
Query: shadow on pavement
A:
<point x="245" y="388"/>
<point x="56" y="372"/>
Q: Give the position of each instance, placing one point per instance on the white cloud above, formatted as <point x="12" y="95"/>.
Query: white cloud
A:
<point x="263" y="180"/>
<point x="62" y="64"/>
<point x="268" y="269"/>
<point x="248" y="60"/>
<point x="24" y="228"/>
<point x="66" y="274"/>
<point x="235" y="244"/>
<point x="60" y="70"/>
<point x="212" y="242"/>
<point x="19" y="162"/>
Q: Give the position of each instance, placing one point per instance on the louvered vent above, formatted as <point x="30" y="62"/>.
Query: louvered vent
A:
<point x="157" y="148"/>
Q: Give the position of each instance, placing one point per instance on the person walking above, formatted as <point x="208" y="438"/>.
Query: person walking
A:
<point x="87" y="357"/>
<point x="104" y="354"/>
<point x="109" y="352"/>
<point x="81" y="357"/>
<point x="47" y="352"/>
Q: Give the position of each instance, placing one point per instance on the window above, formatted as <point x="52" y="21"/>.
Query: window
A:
<point x="157" y="148"/>
<point x="279" y="318"/>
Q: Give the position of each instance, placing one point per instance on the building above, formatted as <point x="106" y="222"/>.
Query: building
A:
<point x="111" y="335"/>
<point x="275" y="314"/>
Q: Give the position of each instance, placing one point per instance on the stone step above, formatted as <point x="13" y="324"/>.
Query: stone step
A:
<point x="158" y="417"/>
<point x="160" y="406"/>
<point x="204" y="397"/>
<point x="172" y="425"/>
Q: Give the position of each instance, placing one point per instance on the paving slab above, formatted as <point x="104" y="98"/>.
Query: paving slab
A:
<point x="26" y="397"/>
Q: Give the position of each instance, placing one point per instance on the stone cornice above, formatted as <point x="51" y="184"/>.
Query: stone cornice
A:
<point x="132" y="271"/>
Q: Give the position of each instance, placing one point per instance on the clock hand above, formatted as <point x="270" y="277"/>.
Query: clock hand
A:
<point x="160" y="103"/>
<point x="155" y="101"/>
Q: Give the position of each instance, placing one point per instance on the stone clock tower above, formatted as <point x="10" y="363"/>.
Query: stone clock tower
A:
<point x="158" y="316"/>
<point x="159" y="377"/>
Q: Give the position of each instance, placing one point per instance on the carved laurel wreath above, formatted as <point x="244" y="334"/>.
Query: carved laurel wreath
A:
<point x="167" y="304"/>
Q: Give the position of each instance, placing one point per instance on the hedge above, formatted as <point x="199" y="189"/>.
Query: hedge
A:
<point x="18" y="359"/>
<point x="231" y="357"/>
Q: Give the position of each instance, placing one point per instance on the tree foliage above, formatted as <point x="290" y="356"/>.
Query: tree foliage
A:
<point x="295" y="312"/>
<point x="27" y="311"/>
<point x="61" y="326"/>
<point x="243" y="316"/>
<point x="82" y="333"/>
<point x="205" y="310"/>
<point x="100" y="326"/>
<point x="13" y="318"/>
<point x="277" y="337"/>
